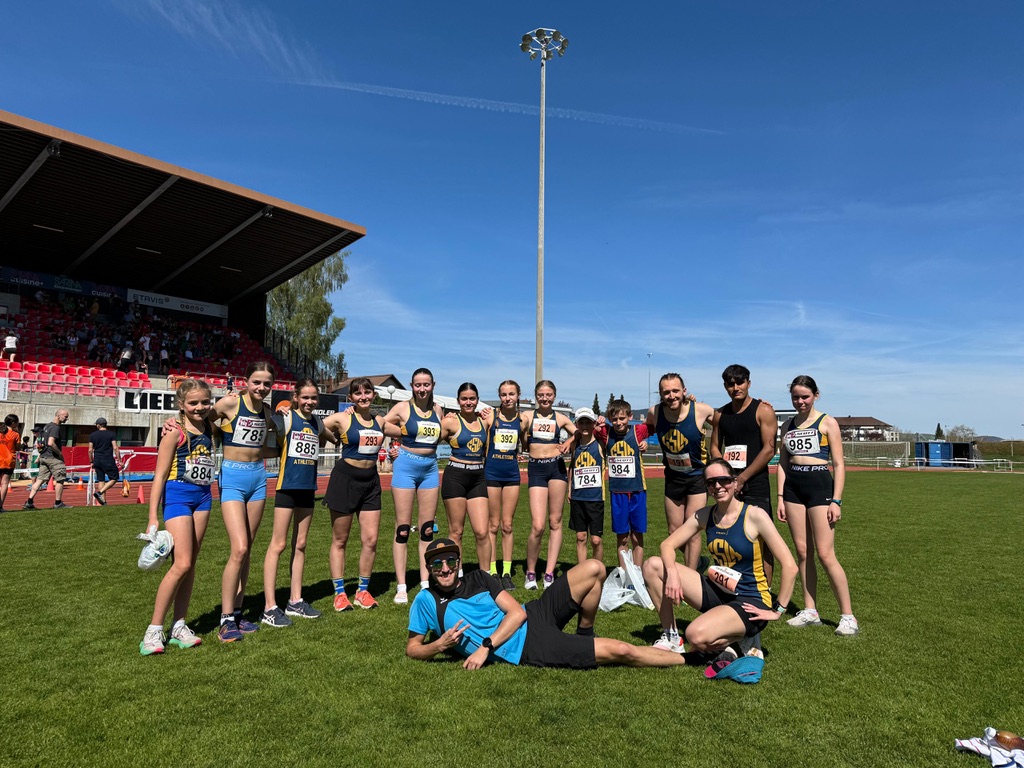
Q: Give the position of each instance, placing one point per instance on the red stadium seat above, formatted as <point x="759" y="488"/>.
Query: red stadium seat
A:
<point x="57" y="368"/>
<point x="44" y="368"/>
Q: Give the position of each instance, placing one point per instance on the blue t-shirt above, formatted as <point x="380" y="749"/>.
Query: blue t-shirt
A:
<point x="474" y="601"/>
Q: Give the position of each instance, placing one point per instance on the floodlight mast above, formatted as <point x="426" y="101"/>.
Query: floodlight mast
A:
<point x="545" y="43"/>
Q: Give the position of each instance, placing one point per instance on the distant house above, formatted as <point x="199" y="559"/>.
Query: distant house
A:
<point x="380" y="383"/>
<point x="866" y="429"/>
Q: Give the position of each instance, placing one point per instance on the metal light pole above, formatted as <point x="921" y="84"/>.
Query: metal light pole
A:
<point x="545" y="43"/>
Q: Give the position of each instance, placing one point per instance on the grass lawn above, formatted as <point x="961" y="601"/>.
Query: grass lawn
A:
<point x="935" y="568"/>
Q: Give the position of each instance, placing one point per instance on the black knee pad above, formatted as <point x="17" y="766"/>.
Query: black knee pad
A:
<point x="427" y="531"/>
<point x="402" y="534"/>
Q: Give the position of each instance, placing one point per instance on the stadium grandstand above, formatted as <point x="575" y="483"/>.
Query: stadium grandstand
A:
<point x="103" y="250"/>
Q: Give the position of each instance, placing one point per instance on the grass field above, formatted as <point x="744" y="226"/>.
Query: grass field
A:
<point x="935" y="567"/>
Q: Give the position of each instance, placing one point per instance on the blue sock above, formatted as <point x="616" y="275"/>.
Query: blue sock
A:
<point x="364" y="584"/>
<point x="339" y="586"/>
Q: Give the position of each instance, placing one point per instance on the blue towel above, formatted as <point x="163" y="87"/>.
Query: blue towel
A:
<point x="747" y="669"/>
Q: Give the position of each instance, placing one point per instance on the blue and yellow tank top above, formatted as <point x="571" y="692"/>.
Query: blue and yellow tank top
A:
<point x="300" y="450"/>
<point x="682" y="442"/>
<point x="586" y="474"/>
<point x="419" y="431"/>
<point x="246" y="428"/>
<point x="467" y="444"/>
<point x="732" y="548"/>
<point x="193" y="458"/>
<point x="625" y="466"/>
<point x="360" y="441"/>
<point x="810" y="441"/>
<point x="503" y="439"/>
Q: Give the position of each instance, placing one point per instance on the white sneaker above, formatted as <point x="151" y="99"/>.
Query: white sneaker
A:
<point x="665" y="644"/>
<point x="531" y="580"/>
<point x="847" y="626"/>
<point x="183" y="637"/>
<point x="808" y="617"/>
<point x="402" y="597"/>
<point x="152" y="642"/>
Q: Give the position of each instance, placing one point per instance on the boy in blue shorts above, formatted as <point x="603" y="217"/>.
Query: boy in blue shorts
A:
<point x="623" y="445"/>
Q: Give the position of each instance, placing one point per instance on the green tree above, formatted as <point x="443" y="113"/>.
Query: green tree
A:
<point x="563" y="404"/>
<point x="611" y="399"/>
<point x="938" y="432"/>
<point x="597" y="405"/>
<point x="301" y="312"/>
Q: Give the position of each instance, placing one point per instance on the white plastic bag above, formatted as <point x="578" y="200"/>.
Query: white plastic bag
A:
<point x="615" y="592"/>
<point x="635" y="581"/>
<point x="159" y="546"/>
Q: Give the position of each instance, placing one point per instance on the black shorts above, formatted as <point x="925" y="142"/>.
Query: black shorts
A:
<point x="105" y="471"/>
<point x="458" y="481"/>
<point x="757" y="492"/>
<point x="808" y="484"/>
<point x="295" y="498"/>
<point x="352" y="489"/>
<point x="503" y="483"/>
<point x="540" y="472"/>
<point x="546" y="644"/>
<point x="678" y="486"/>
<point x="587" y="516"/>
<point x="711" y="596"/>
<point x="6" y="470"/>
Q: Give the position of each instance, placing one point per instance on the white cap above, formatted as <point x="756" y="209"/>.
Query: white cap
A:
<point x="585" y="413"/>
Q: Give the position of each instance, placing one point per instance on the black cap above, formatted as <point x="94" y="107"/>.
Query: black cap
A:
<point x="439" y="547"/>
<point x="101" y="422"/>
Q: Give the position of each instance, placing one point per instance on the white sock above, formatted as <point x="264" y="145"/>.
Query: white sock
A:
<point x="847" y="616"/>
<point x="402" y="588"/>
<point x="155" y="627"/>
<point x="424" y="584"/>
<point x="178" y="625"/>
<point x="673" y="633"/>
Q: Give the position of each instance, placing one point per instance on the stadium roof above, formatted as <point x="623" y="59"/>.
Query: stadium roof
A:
<point x="71" y="205"/>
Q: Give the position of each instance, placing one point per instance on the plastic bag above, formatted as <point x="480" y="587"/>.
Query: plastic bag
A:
<point x="159" y="546"/>
<point x="615" y="593"/>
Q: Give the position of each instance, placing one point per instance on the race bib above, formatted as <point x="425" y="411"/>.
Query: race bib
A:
<point x="506" y="440"/>
<point x="199" y="470"/>
<point x="370" y="441"/>
<point x="544" y="429"/>
<point x="304" y="445"/>
<point x="679" y="462"/>
<point x="802" y="442"/>
<point x="736" y="455"/>
<point x="428" y="432"/>
<point x="621" y="466"/>
<point x="250" y="432"/>
<point x="586" y="477"/>
<point x="725" y="578"/>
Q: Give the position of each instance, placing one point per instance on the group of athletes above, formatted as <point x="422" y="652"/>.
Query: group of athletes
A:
<point x="475" y="614"/>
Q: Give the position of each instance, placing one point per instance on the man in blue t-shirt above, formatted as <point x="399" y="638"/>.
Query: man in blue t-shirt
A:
<point x="476" y="618"/>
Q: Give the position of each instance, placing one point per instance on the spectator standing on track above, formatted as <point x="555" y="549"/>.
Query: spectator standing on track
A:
<point x="51" y="463"/>
<point x="10" y="440"/>
<point x="105" y="457"/>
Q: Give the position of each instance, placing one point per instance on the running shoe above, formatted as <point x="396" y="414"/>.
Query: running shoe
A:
<point x="275" y="618"/>
<point x="245" y="626"/>
<point x="847" y="626"/>
<point x="302" y="609"/>
<point x="402" y="597"/>
<point x="152" y="642"/>
<point x="666" y="644"/>
<point x="99" y="499"/>
<point x="808" y="617"/>
<point x="549" y="579"/>
<point x="61" y="505"/>
<point x="229" y="632"/>
<point x="363" y="599"/>
<point x="341" y="602"/>
<point x="28" y="505"/>
<point x="531" y="580"/>
<point x="183" y="637"/>
<point x="506" y="582"/>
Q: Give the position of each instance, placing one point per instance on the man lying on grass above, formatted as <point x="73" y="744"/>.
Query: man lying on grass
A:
<point x="476" y="618"/>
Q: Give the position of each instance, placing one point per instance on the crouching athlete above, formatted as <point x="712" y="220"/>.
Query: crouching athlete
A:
<point x="477" y="619"/>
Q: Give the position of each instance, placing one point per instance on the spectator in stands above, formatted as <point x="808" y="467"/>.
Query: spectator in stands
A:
<point x="10" y="345"/>
<point x="51" y="463"/>
<point x="105" y="457"/>
<point x="126" y="357"/>
<point x="144" y="347"/>
<point x="165" y="360"/>
<point x="10" y="439"/>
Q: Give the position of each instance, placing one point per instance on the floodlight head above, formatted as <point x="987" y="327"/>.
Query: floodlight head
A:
<point x="527" y="38"/>
<point x="556" y="35"/>
<point x="533" y="55"/>
<point x="525" y="47"/>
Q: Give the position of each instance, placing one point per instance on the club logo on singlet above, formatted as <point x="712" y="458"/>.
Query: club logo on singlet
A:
<point x="475" y="445"/>
<point x="674" y="442"/>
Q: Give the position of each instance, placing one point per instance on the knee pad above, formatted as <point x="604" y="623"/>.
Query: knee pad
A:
<point x="427" y="531"/>
<point x="402" y="534"/>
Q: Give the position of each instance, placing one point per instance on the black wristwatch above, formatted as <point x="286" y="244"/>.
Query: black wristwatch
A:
<point x="837" y="502"/>
<point x="486" y="643"/>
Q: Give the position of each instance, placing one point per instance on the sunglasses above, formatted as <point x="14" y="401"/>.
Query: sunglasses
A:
<point x="713" y="482"/>
<point x="438" y="565"/>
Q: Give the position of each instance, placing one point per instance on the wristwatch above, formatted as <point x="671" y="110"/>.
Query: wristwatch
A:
<point x="780" y="608"/>
<point x="837" y="502"/>
<point x="488" y="644"/>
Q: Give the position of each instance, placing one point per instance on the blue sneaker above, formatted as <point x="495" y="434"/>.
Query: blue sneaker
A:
<point x="302" y="609"/>
<point x="246" y="627"/>
<point x="275" y="618"/>
<point x="229" y="632"/>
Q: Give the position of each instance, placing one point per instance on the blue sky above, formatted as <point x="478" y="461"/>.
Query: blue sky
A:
<point x="820" y="188"/>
